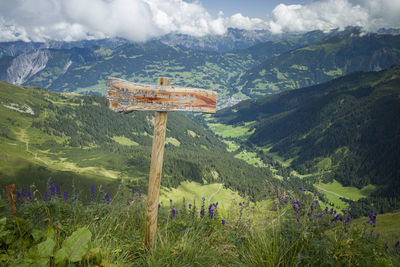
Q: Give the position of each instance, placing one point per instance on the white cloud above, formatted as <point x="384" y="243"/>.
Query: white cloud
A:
<point x="326" y="15"/>
<point x="242" y="22"/>
<point x="139" y="20"/>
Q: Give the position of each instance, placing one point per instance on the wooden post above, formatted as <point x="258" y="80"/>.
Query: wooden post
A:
<point x="124" y="96"/>
<point x="157" y="155"/>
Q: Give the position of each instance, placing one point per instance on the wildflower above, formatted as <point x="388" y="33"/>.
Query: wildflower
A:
<point x="52" y="188"/>
<point x="302" y="189"/>
<point x="19" y="197"/>
<point x="298" y="218"/>
<point x="240" y="204"/>
<point x="319" y="215"/>
<point x="159" y="206"/>
<point x="107" y="198"/>
<point x="315" y="194"/>
<point x="170" y="201"/>
<point x="326" y="210"/>
<point x="377" y="235"/>
<point x="173" y="212"/>
<point x="46" y="196"/>
<point x="316" y="201"/>
<point x="223" y="222"/>
<point x="331" y="211"/>
<point x="190" y="206"/>
<point x="210" y="212"/>
<point x="296" y="206"/>
<point x="92" y="193"/>
<point x="372" y="216"/>
<point x="311" y="209"/>
<point x="58" y="190"/>
<point x="65" y="195"/>
<point x="202" y="212"/>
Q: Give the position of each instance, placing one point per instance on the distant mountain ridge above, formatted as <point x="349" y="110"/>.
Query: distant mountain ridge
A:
<point x="291" y="62"/>
<point x="330" y="58"/>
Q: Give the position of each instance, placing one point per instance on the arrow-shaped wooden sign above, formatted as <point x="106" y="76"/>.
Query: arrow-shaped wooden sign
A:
<point x="124" y="96"/>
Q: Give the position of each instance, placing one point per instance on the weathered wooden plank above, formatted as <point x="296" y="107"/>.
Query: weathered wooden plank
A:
<point x="157" y="155"/>
<point x="124" y="96"/>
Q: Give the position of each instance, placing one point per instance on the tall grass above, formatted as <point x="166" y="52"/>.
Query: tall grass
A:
<point x="300" y="234"/>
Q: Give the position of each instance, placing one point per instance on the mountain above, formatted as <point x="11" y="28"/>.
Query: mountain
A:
<point x="19" y="47"/>
<point x="346" y="129"/>
<point x="335" y="56"/>
<point x="84" y="66"/>
<point x="75" y="140"/>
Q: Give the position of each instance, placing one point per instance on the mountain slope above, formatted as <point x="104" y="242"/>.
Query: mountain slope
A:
<point x="349" y="127"/>
<point x="77" y="140"/>
<point x="333" y="57"/>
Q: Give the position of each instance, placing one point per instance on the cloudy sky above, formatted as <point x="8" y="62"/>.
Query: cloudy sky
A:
<point x="140" y="20"/>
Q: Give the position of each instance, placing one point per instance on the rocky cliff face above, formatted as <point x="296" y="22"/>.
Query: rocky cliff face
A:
<point x="25" y="66"/>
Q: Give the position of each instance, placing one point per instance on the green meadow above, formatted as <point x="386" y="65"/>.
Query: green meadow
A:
<point x="334" y="191"/>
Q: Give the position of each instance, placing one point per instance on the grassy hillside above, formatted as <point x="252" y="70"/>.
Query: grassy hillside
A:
<point x="77" y="141"/>
<point x="347" y="129"/>
<point x="109" y="231"/>
<point x="333" y="57"/>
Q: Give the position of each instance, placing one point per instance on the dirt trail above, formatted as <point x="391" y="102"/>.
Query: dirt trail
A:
<point x="219" y="189"/>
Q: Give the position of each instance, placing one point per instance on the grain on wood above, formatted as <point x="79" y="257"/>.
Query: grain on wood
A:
<point x="157" y="155"/>
<point x="124" y="96"/>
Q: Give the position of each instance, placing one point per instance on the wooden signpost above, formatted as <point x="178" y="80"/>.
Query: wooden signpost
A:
<point x="124" y="96"/>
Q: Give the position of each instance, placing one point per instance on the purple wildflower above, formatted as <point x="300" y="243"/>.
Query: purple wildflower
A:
<point x="202" y="212"/>
<point x="331" y="211"/>
<point x="372" y="216"/>
<point x="107" y="198"/>
<point x="46" y="196"/>
<point x="326" y="210"/>
<point x="159" y="206"/>
<point x="311" y="209"/>
<point x="223" y="222"/>
<point x="92" y="193"/>
<point x="52" y="188"/>
<point x="190" y="206"/>
<point x="320" y="215"/>
<point x="210" y="212"/>
<point x="302" y="189"/>
<point x="173" y="212"/>
<point x="58" y="190"/>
